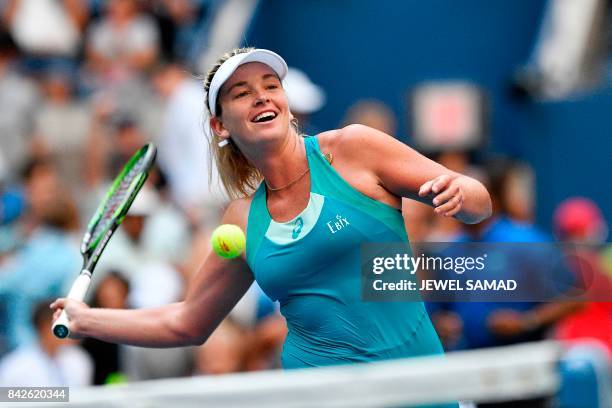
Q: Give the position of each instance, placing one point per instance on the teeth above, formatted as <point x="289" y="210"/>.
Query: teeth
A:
<point x="264" y="115"/>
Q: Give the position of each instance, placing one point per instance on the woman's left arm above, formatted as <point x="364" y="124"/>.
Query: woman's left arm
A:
<point x="406" y="173"/>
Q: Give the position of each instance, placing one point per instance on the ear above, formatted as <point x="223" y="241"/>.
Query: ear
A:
<point x="218" y="128"/>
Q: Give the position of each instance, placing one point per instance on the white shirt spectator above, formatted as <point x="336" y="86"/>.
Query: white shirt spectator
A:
<point x="65" y="143"/>
<point x="23" y="97"/>
<point x="45" y="27"/>
<point x="113" y="42"/>
<point x="155" y="284"/>
<point x="166" y="233"/>
<point x="31" y="367"/>
<point x="183" y="150"/>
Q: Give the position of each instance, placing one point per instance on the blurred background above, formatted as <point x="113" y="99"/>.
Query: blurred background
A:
<point x="516" y="93"/>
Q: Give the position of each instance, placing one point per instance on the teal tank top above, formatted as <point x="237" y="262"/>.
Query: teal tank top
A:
<point x="311" y="265"/>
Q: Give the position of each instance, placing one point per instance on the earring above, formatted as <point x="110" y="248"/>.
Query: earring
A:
<point x="222" y="143"/>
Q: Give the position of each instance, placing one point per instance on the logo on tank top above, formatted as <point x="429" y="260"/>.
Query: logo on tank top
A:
<point x="297" y="229"/>
<point x="337" y="224"/>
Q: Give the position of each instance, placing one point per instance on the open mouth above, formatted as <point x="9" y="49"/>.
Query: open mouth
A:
<point x="264" y="117"/>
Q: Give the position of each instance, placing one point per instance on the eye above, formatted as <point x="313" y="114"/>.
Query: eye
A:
<point x="272" y="86"/>
<point x="241" y="94"/>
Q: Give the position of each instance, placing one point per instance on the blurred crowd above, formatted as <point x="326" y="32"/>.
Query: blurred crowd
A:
<point x="88" y="83"/>
<point x="83" y="85"/>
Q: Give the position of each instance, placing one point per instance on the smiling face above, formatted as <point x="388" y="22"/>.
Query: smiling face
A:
<point x="253" y="104"/>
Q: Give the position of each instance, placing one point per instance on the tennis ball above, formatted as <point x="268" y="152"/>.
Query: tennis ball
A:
<point x="228" y="241"/>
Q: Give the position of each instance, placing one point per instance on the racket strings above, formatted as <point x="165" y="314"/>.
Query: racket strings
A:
<point x="117" y="198"/>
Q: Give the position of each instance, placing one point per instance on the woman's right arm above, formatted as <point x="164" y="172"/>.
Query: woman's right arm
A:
<point x="211" y="295"/>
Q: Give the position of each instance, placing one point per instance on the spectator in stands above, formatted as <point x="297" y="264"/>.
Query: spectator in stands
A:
<point x="51" y="137"/>
<point x="127" y="139"/>
<point x="579" y="221"/>
<point x="121" y="48"/>
<point x="180" y="24"/>
<point x="124" y="43"/>
<point x="19" y="96"/>
<point x="264" y="352"/>
<point x="486" y="324"/>
<point x="111" y="292"/>
<point x="182" y="155"/>
<point x="47" y="361"/>
<point x="48" y="31"/>
<point x="174" y="245"/>
<point x="372" y="113"/>
<point x="48" y="260"/>
<point x="260" y="318"/>
<point x="113" y="137"/>
<point x="224" y="352"/>
<point x="519" y="193"/>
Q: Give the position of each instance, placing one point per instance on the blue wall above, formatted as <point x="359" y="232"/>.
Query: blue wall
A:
<point x="382" y="49"/>
<point x="569" y="144"/>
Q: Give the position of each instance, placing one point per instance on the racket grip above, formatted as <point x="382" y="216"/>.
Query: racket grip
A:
<point x="61" y="327"/>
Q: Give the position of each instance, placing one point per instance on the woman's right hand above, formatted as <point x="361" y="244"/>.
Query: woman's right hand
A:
<point x="74" y="310"/>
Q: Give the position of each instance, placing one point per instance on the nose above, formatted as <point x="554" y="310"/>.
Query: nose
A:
<point x="261" y="97"/>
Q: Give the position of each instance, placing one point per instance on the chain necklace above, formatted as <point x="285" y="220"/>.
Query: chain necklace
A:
<point x="298" y="178"/>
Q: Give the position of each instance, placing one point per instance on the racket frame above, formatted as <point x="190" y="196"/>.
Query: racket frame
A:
<point x="92" y="247"/>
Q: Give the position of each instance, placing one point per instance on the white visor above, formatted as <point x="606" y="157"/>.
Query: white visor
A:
<point x="271" y="59"/>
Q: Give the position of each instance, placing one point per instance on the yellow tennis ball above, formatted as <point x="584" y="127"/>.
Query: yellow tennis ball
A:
<point x="228" y="241"/>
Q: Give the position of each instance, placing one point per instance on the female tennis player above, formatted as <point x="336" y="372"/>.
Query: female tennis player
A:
<point x="316" y="200"/>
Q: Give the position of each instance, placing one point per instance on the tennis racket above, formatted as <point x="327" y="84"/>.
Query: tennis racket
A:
<point x="108" y="217"/>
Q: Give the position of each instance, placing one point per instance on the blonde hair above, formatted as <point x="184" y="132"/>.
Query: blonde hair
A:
<point x="239" y="177"/>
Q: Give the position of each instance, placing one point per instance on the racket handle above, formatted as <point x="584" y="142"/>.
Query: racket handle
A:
<point x="61" y="327"/>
